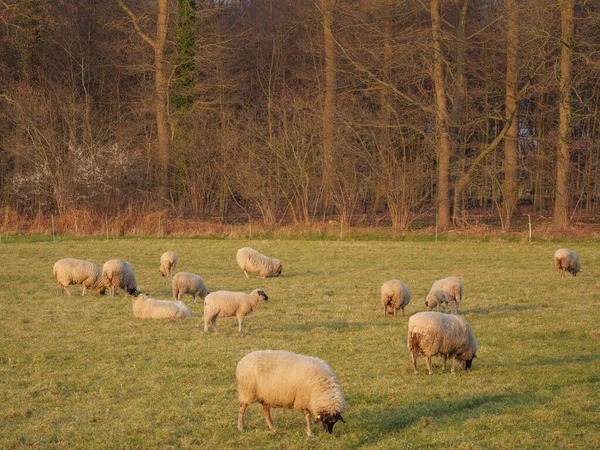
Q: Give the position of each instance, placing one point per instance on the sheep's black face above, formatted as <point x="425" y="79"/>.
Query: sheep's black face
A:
<point x="133" y="291"/>
<point x="329" y="420"/>
<point x="102" y="291"/>
<point x="466" y="364"/>
<point x="264" y="295"/>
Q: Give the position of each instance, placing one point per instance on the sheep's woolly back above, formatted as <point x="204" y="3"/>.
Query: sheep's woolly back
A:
<point x="395" y="294"/>
<point x="119" y="274"/>
<point x="567" y="260"/>
<point x="445" y="290"/>
<point x="252" y="261"/>
<point x="432" y="333"/>
<point x="150" y="308"/>
<point x="188" y="283"/>
<point x="288" y="380"/>
<point x="227" y="304"/>
<point x="168" y="261"/>
<point x="69" y="271"/>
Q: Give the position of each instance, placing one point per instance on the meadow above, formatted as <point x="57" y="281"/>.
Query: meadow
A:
<point x="82" y="372"/>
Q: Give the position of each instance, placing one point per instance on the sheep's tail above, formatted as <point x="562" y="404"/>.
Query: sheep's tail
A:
<point x="414" y="342"/>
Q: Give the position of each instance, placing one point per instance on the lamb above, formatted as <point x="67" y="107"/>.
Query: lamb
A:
<point x="145" y="307"/>
<point x="252" y="261"/>
<point x="119" y="274"/>
<point x="447" y="290"/>
<point x="432" y="333"/>
<point x="168" y="261"/>
<point x="567" y="260"/>
<point x="189" y="283"/>
<point x="281" y="379"/>
<point x="227" y="304"/>
<point x="395" y="295"/>
<point x="69" y="271"/>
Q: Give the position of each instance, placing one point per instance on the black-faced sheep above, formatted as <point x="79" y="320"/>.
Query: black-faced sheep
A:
<point x="281" y="379"/>
<point x="168" y="261"/>
<point x="447" y="290"/>
<point x="395" y="295"/>
<point x="567" y="260"/>
<point x="431" y="333"/>
<point x="119" y="274"/>
<point x="227" y="304"/>
<point x="251" y="261"/>
<point x="69" y="271"/>
<point x="150" y="308"/>
<point x="188" y="283"/>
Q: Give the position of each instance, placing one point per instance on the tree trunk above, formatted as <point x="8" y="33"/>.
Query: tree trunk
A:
<point x="327" y="7"/>
<point x="441" y="115"/>
<point x="161" y="92"/>
<point x="561" y="202"/>
<point x="511" y="141"/>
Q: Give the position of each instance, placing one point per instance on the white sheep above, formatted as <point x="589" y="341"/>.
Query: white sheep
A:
<point x="119" y="274"/>
<point x="447" y="290"/>
<point x="395" y="295"/>
<point x="69" y="271"/>
<point x="145" y="307"/>
<point x="168" y="261"/>
<point x="281" y="379"/>
<point x="252" y="261"/>
<point x="567" y="260"/>
<point x="189" y="283"/>
<point x="227" y="304"/>
<point x="431" y="333"/>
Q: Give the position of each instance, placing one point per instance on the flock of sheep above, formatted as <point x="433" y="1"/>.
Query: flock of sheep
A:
<point x="278" y="378"/>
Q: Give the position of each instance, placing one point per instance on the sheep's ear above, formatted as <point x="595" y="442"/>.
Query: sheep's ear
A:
<point x="339" y="417"/>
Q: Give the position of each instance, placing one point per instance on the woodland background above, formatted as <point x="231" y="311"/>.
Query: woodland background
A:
<point x="380" y="112"/>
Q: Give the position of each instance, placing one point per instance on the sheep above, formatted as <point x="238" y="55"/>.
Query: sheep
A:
<point x="281" y="379"/>
<point x="432" y="333"/>
<point x="395" y="295"/>
<point x="447" y="290"/>
<point x="252" y="261"/>
<point x="565" y="259"/>
<point x="145" y="307"/>
<point x="189" y="283"/>
<point x="227" y="304"/>
<point x="168" y="261"/>
<point x="119" y="274"/>
<point x="69" y="271"/>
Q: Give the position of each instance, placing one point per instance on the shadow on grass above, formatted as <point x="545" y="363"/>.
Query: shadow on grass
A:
<point x="556" y="361"/>
<point x="502" y="308"/>
<point x="378" y="424"/>
<point x="337" y="325"/>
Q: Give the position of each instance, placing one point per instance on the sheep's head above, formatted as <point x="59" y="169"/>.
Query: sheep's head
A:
<point x="430" y="302"/>
<point x="133" y="291"/>
<point x="467" y="363"/>
<point x="102" y="291"/>
<point x="329" y="420"/>
<point x="163" y="272"/>
<point x="262" y="294"/>
<point x="278" y="266"/>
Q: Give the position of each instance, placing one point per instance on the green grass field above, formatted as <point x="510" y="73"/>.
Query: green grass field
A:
<point x="82" y="372"/>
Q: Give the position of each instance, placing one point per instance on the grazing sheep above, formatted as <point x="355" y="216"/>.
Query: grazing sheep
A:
<point x="150" y="308"/>
<point x="189" y="283"/>
<point x="447" y="290"/>
<point x="281" y="379"/>
<point x="168" y="261"/>
<point x="432" y="333"/>
<point x="565" y="259"/>
<point x="69" y="271"/>
<point x="395" y="295"/>
<point x="252" y="261"/>
<point x="119" y="274"/>
<point x="227" y="304"/>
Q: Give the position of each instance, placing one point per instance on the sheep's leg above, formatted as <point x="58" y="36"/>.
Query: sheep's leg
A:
<point x="453" y="361"/>
<point x="403" y="315"/>
<point x="428" y="360"/>
<point x="395" y="312"/>
<point x="246" y="272"/>
<point x="307" y="416"/>
<point x="214" y="323"/>
<point x="243" y="407"/>
<point x="240" y="323"/>
<point x="67" y="289"/>
<point x="194" y="295"/>
<point x="444" y="363"/>
<point x="414" y="360"/>
<point x="267" y="412"/>
<point x="83" y="291"/>
<point x="384" y="310"/>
